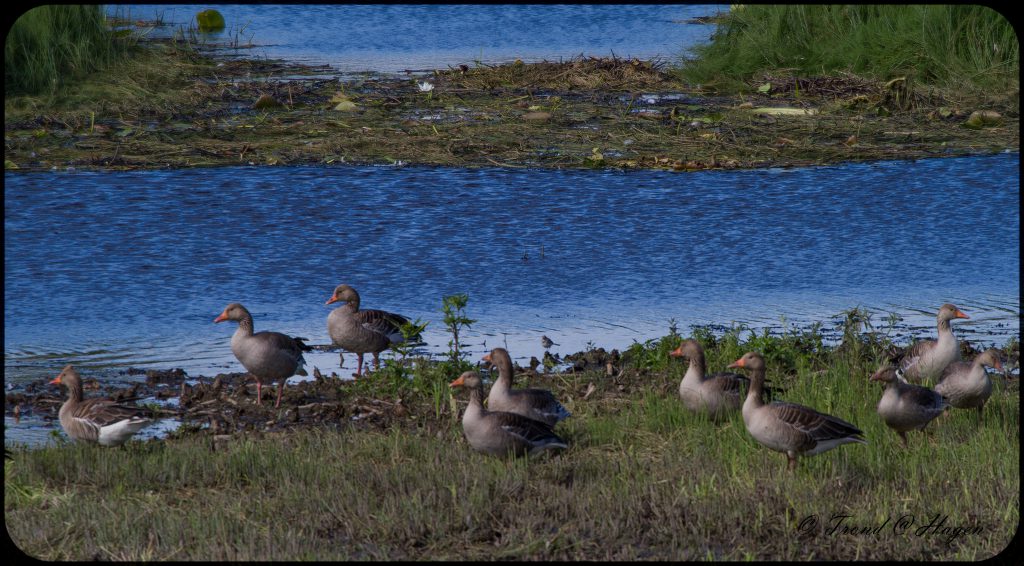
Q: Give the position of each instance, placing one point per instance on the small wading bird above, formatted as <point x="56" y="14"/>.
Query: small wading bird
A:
<point x="966" y="385"/>
<point x="537" y="404"/>
<point x="547" y="342"/>
<point x="99" y="420"/>
<point x="905" y="406"/>
<point x="789" y="428"/>
<point x="362" y="331"/>
<point x="926" y="359"/>
<point x="270" y="356"/>
<point x="499" y="433"/>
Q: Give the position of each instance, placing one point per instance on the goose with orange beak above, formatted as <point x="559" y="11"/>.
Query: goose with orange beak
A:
<point x="270" y="356"/>
<point x="966" y="385"/>
<point x="537" y="404"/>
<point x="927" y="359"/>
<point x="100" y="420"/>
<point x="794" y="430"/>
<point x="499" y="433"/>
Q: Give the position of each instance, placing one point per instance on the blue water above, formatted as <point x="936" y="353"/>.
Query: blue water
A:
<point x="393" y="38"/>
<point x="130" y="268"/>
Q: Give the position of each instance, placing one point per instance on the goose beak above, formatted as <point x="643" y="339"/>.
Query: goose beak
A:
<point x="222" y="317"/>
<point x="960" y="314"/>
<point x="457" y="383"/>
<point x="877" y="376"/>
<point x="738" y="364"/>
<point x="331" y="300"/>
<point x="55" y="381"/>
<point x="486" y="358"/>
<point x="678" y="352"/>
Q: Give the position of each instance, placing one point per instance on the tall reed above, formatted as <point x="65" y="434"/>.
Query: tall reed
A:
<point x="961" y="47"/>
<point x="49" y="44"/>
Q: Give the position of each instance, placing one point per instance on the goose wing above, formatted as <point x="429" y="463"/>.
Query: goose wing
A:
<point x="382" y="322"/>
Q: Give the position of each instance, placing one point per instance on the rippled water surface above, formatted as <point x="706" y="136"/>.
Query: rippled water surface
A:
<point x="393" y="38"/>
<point x="109" y="270"/>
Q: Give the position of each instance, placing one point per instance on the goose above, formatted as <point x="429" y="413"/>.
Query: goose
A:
<point x="789" y="428"/>
<point x="966" y="385"/>
<point x="270" y="356"/>
<point x="99" y="420"/>
<point x="499" y="433"/>
<point x="905" y="406"/>
<point x="537" y="404"/>
<point x="926" y="359"/>
<point x="716" y="394"/>
<point x="362" y="331"/>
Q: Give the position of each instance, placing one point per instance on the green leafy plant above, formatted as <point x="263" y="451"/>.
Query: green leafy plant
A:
<point x="455" y="320"/>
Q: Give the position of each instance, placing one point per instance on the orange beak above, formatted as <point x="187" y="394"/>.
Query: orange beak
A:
<point x="222" y="317"/>
<point x="999" y="365"/>
<point x="331" y="300"/>
<point x="738" y="364"/>
<point x="457" y="383"/>
<point x="677" y="353"/>
<point x="960" y="314"/>
<point x="877" y="376"/>
<point x="486" y="358"/>
<point x="56" y="380"/>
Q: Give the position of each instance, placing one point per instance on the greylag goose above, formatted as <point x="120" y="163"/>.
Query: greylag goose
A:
<point x="926" y="359"/>
<point x="787" y="427"/>
<point x="499" y="433"/>
<point x="362" y="331"/>
<point x="98" y="420"/>
<point x="967" y="386"/>
<point x="905" y="406"/>
<point x="270" y="356"/>
<point x="537" y="404"/>
<point x="716" y="394"/>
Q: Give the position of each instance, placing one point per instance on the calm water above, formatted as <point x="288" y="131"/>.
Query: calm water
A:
<point x="393" y="38"/>
<point x="108" y="270"/>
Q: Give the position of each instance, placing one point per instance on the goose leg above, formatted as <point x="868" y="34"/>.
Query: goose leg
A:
<point x="359" y="370"/>
<point x="280" y="389"/>
<point x="903" y="436"/>
<point x="376" y="361"/>
<point x="341" y="360"/>
<point x="259" y="392"/>
<point x="792" y="462"/>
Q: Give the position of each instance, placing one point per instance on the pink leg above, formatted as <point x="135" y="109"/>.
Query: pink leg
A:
<point x="259" y="392"/>
<point x="359" y="370"/>
<point x="280" y="389"/>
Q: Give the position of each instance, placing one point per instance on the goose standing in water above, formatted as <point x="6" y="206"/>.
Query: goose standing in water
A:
<point x="925" y="360"/>
<point x="362" y="331"/>
<point x="537" y="404"/>
<point x="99" y="420"/>
<point x="270" y="356"/>
<point x="499" y="433"/>
<point x="966" y="385"/>
<point x="905" y="406"/>
<point x="789" y="428"/>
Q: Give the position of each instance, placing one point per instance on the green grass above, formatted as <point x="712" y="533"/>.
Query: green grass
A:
<point x="48" y="45"/>
<point x="643" y="478"/>
<point x="971" y="48"/>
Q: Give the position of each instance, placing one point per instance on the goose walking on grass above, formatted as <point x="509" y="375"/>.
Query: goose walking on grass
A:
<point x="99" y="420"/>
<point x="966" y="385"/>
<point x="537" y="404"/>
<point x="268" y="356"/>
<point x="362" y="331"/>
<point x="905" y="406"/>
<point x="499" y="433"/>
<point x="789" y="428"/>
<point x="925" y="360"/>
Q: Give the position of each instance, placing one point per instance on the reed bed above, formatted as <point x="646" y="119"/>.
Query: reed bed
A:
<point x="973" y="50"/>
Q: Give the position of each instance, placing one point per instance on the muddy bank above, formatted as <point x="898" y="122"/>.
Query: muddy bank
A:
<point x="204" y="109"/>
<point x="225" y="404"/>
